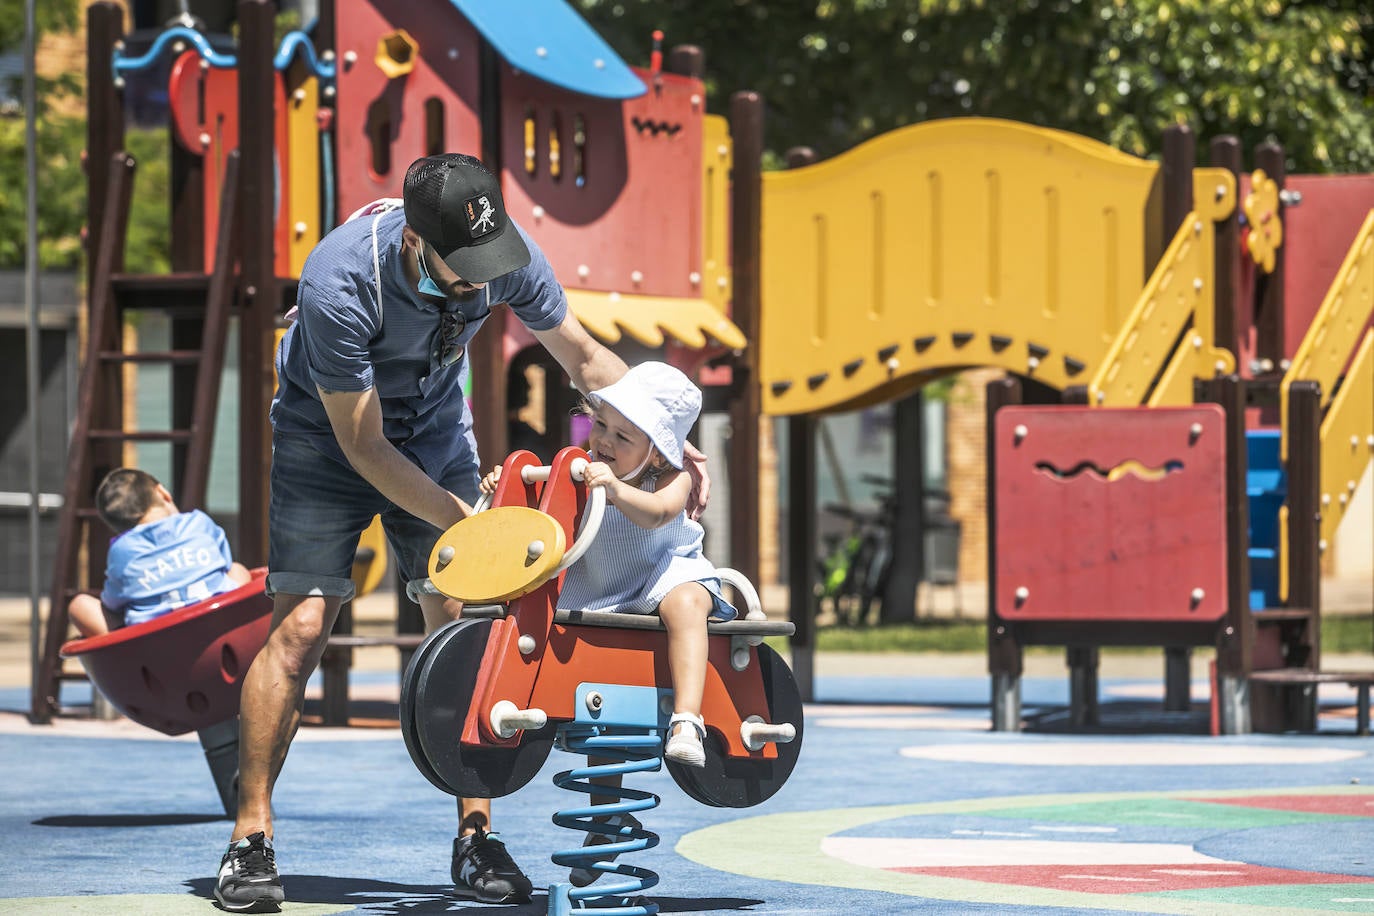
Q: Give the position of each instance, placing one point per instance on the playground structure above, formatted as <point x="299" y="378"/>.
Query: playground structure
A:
<point x="487" y="696"/>
<point x="1108" y="282"/>
<point x="1104" y="279"/>
<point x="591" y="153"/>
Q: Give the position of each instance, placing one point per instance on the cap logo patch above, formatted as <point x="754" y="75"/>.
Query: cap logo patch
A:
<point x="481" y="216"/>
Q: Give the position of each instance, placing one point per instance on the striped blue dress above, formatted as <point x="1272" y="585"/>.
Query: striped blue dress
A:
<point x="629" y="569"/>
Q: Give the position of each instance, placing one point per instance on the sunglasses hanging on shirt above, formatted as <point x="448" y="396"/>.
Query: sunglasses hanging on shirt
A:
<point x="447" y="349"/>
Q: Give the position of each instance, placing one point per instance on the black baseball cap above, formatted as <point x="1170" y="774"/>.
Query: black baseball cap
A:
<point x="455" y="204"/>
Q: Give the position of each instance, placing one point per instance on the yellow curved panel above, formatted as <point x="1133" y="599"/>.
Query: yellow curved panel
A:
<point x="652" y="319"/>
<point x="716" y="161"/>
<point x="303" y="142"/>
<point x="1337" y="326"/>
<point x="970" y="241"/>
<point x="1347" y="438"/>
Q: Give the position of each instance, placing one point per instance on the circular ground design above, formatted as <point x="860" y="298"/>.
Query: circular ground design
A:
<point x="1209" y="853"/>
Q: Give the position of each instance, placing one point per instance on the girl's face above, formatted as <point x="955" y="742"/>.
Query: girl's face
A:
<point x="616" y="441"/>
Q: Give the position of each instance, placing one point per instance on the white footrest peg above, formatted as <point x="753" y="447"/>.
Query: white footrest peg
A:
<point x="507" y="719"/>
<point x="755" y="733"/>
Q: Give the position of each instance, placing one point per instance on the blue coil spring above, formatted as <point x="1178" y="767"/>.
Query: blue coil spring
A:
<point x="633" y="751"/>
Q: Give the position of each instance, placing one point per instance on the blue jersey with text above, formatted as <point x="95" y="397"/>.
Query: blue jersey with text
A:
<point x="158" y="567"/>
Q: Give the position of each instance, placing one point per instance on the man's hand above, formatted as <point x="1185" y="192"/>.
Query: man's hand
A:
<point x="695" y="461"/>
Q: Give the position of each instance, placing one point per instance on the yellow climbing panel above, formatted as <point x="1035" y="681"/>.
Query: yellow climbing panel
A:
<point x="1337" y="326"/>
<point x="965" y="242"/>
<point x="1181" y="294"/>
<point x="1347" y="438"/>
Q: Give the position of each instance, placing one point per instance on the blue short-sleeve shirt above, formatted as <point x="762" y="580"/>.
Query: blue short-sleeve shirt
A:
<point x="347" y="337"/>
<point x="156" y="568"/>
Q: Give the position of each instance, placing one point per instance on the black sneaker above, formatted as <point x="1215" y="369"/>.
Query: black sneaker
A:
<point x="623" y="827"/>
<point x="483" y="870"/>
<point x="248" y="881"/>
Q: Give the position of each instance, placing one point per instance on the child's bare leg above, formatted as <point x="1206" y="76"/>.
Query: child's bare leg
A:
<point x="87" y="614"/>
<point x="239" y="573"/>
<point x="684" y="611"/>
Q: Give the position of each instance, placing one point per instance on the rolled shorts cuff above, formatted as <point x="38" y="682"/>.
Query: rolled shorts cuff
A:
<point x="417" y="587"/>
<point x="294" y="583"/>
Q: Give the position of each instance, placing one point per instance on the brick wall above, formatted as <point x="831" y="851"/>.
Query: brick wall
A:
<point x="967" y="445"/>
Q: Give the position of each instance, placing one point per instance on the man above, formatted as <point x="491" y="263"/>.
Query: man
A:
<point x="369" y="418"/>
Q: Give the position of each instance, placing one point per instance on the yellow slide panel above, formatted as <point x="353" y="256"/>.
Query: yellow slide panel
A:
<point x="303" y="142"/>
<point x="962" y="242"/>
<point x="1343" y="315"/>
<point x="716" y="161"/>
<point x="1347" y="438"/>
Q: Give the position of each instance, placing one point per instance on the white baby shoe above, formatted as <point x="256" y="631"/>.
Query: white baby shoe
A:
<point x="684" y="745"/>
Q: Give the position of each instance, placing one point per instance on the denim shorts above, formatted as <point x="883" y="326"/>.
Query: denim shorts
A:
<point x="319" y="508"/>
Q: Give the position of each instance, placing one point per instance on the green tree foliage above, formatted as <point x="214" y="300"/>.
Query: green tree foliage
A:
<point x="61" y="175"/>
<point x="833" y="73"/>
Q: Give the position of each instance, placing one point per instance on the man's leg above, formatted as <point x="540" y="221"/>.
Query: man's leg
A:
<point x="318" y="508"/>
<point x="481" y="868"/>
<point x="273" y="695"/>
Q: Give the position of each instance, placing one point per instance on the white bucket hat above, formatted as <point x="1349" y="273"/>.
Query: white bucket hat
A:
<point x="658" y="399"/>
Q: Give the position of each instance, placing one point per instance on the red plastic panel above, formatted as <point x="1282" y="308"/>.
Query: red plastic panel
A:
<point x="633" y="222"/>
<point x="385" y="124"/>
<point x="205" y="120"/>
<point x="1111" y="514"/>
<point x="182" y="671"/>
<point x="1317" y="235"/>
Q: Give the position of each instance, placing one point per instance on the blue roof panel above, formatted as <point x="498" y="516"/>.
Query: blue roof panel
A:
<point x="549" y="40"/>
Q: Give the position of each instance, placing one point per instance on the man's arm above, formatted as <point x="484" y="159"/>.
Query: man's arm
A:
<point x="356" y="417"/>
<point x="589" y="364"/>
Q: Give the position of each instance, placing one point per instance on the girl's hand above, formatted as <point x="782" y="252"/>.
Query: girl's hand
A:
<point x="488" y="484"/>
<point x="598" y="474"/>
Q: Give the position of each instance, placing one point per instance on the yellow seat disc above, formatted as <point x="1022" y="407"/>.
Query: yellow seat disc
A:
<point x="497" y="555"/>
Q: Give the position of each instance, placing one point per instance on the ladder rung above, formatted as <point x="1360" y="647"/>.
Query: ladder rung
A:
<point x="161" y="435"/>
<point x="152" y="356"/>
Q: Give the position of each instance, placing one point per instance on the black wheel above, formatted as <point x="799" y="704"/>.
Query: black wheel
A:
<point x="407" y="710"/>
<point x="439" y="690"/>
<point x="727" y="782"/>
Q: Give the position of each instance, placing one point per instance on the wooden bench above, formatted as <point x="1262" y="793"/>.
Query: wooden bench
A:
<point x="1360" y="680"/>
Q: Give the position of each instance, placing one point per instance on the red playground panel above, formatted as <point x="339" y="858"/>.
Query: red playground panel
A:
<point x="1111" y="514"/>
<point x="183" y="671"/>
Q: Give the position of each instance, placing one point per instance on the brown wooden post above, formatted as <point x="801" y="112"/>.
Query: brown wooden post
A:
<point x="257" y="318"/>
<point x="746" y="402"/>
<point x="908" y="566"/>
<point x="104" y="116"/>
<point x="1270" y="342"/>
<point x="687" y="60"/>
<point x="1304" y="545"/>
<point x="801" y="548"/>
<point x="1004" y="651"/>
<point x="1235" y="639"/>
<point x="1179" y="155"/>
<point x="1225" y="154"/>
<point x="486" y="351"/>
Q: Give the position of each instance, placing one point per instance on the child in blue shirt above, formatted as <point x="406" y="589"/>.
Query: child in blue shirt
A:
<point x="161" y="558"/>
